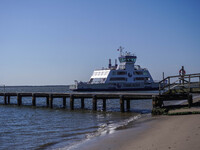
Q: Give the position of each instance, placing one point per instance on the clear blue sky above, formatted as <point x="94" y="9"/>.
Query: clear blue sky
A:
<point x="53" y="42"/>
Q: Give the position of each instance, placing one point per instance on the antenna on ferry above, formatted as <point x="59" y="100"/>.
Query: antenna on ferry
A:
<point x="120" y="49"/>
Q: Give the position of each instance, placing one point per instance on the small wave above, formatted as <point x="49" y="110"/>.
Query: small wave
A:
<point x="110" y="128"/>
<point x="104" y="129"/>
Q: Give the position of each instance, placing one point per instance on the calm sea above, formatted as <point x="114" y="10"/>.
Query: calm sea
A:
<point x="26" y="127"/>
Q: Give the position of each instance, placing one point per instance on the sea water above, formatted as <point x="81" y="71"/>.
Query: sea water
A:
<point x="28" y="127"/>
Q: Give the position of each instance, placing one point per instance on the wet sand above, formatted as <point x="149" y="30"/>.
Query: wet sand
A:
<point x="165" y="132"/>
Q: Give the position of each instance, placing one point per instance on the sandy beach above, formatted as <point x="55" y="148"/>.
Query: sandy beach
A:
<point x="164" y="132"/>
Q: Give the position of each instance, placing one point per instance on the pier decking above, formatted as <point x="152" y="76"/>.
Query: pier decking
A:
<point x="82" y="96"/>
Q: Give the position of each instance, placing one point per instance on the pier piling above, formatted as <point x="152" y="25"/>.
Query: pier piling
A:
<point x="71" y="102"/>
<point x="82" y="103"/>
<point x="121" y="103"/>
<point x="128" y="105"/>
<point x="94" y="102"/>
<point x="47" y="101"/>
<point x="8" y="99"/>
<point x="33" y="100"/>
<point x="104" y="104"/>
<point x="5" y="99"/>
<point x="190" y="100"/>
<point x="19" y="99"/>
<point x="64" y="102"/>
<point x="51" y="101"/>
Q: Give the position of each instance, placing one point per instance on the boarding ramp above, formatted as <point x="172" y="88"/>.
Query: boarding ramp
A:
<point x="180" y="84"/>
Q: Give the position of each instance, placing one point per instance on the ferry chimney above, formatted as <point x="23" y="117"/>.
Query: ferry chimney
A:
<point x="109" y="65"/>
<point x="115" y="63"/>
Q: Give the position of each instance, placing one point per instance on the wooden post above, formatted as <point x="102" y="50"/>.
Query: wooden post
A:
<point x="47" y="101"/>
<point x="94" y="102"/>
<point x="33" y="100"/>
<point x="51" y="100"/>
<point x="128" y="105"/>
<point x="64" y="102"/>
<point x="189" y="85"/>
<point x="82" y="103"/>
<point x="160" y="87"/>
<point x="199" y="81"/>
<point x="154" y="101"/>
<point x="190" y="101"/>
<point x="71" y="102"/>
<point x="8" y="99"/>
<point x="104" y="104"/>
<point x="121" y="103"/>
<point x="19" y="99"/>
<point x="5" y="99"/>
<point x="163" y="74"/>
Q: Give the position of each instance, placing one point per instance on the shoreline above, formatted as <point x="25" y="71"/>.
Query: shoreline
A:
<point x="111" y="129"/>
<point x="137" y="125"/>
<point x="163" y="132"/>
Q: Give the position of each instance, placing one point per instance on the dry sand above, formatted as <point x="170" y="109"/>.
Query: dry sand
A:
<point x="160" y="133"/>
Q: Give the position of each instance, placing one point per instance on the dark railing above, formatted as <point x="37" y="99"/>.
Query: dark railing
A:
<point x="180" y="80"/>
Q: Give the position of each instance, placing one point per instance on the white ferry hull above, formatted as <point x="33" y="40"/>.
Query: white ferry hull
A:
<point x="114" y="87"/>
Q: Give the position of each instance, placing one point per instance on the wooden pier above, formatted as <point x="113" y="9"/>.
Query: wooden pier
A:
<point x="82" y="96"/>
<point x="180" y="89"/>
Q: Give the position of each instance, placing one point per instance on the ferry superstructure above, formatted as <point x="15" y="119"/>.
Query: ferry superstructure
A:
<point x="125" y="76"/>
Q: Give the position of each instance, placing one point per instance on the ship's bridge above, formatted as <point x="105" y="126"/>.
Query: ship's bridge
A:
<point x="127" y="59"/>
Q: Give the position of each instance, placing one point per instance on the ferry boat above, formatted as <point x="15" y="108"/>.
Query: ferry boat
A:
<point x="123" y="77"/>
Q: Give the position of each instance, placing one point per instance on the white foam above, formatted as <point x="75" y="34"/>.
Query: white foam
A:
<point x="104" y="129"/>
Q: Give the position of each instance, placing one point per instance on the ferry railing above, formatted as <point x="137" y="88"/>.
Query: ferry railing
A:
<point x="171" y="82"/>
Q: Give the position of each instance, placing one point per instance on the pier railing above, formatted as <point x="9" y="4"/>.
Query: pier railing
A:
<point x="187" y="82"/>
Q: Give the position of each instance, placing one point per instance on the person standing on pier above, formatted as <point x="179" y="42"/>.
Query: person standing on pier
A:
<point x="182" y="74"/>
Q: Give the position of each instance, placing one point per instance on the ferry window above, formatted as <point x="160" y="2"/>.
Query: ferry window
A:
<point x="122" y="59"/>
<point x="118" y="79"/>
<point x="138" y="73"/>
<point x="97" y="80"/>
<point x="96" y="73"/>
<point x="129" y="59"/>
<point x="122" y="67"/>
<point x="139" y="78"/>
<point x="145" y="73"/>
<point x="147" y="79"/>
<point x="113" y="73"/>
<point x="90" y="80"/>
<point x="121" y="73"/>
<point x="128" y="85"/>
